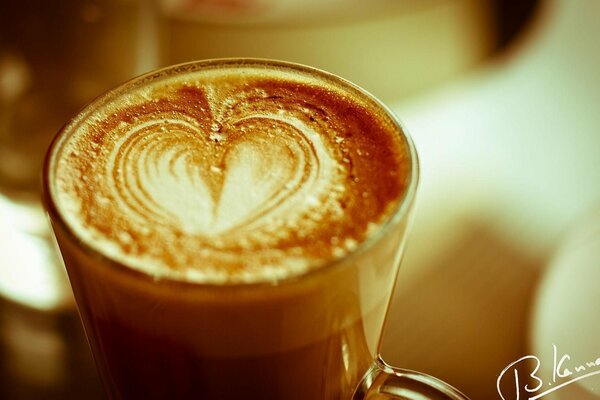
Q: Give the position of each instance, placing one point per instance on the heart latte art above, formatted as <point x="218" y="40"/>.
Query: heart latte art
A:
<point x="230" y="174"/>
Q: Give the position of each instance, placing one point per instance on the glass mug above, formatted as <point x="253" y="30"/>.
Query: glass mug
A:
<point x="313" y="336"/>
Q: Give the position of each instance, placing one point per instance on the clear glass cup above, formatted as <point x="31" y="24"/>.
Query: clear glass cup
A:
<point x="314" y="336"/>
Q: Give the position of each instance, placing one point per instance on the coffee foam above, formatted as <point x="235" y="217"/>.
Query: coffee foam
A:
<point x="235" y="174"/>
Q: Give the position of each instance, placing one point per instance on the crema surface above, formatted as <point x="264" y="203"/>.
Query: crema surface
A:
<point x="229" y="174"/>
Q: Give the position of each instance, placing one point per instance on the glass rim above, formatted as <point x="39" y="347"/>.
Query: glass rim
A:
<point x="401" y="209"/>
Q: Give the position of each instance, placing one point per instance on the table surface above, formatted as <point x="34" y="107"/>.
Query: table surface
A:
<point x="510" y="160"/>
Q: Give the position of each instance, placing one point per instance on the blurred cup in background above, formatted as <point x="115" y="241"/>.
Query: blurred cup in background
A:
<point x="54" y="57"/>
<point x="393" y="48"/>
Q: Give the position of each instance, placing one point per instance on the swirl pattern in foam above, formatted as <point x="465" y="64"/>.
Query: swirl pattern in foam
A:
<point x="235" y="173"/>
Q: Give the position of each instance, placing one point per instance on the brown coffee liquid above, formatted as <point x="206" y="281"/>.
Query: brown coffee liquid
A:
<point x="309" y="339"/>
<point x="199" y="205"/>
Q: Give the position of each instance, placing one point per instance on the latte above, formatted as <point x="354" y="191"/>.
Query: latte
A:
<point x="232" y="229"/>
<point x="232" y="174"/>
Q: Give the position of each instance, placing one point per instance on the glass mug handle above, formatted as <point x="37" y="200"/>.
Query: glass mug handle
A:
<point x="383" y="381"/>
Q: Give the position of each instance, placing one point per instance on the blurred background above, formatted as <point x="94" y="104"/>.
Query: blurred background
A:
<point x="501" y="98"/>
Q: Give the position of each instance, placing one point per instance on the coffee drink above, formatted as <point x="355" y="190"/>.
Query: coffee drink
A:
<point x="231" y="229"/>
